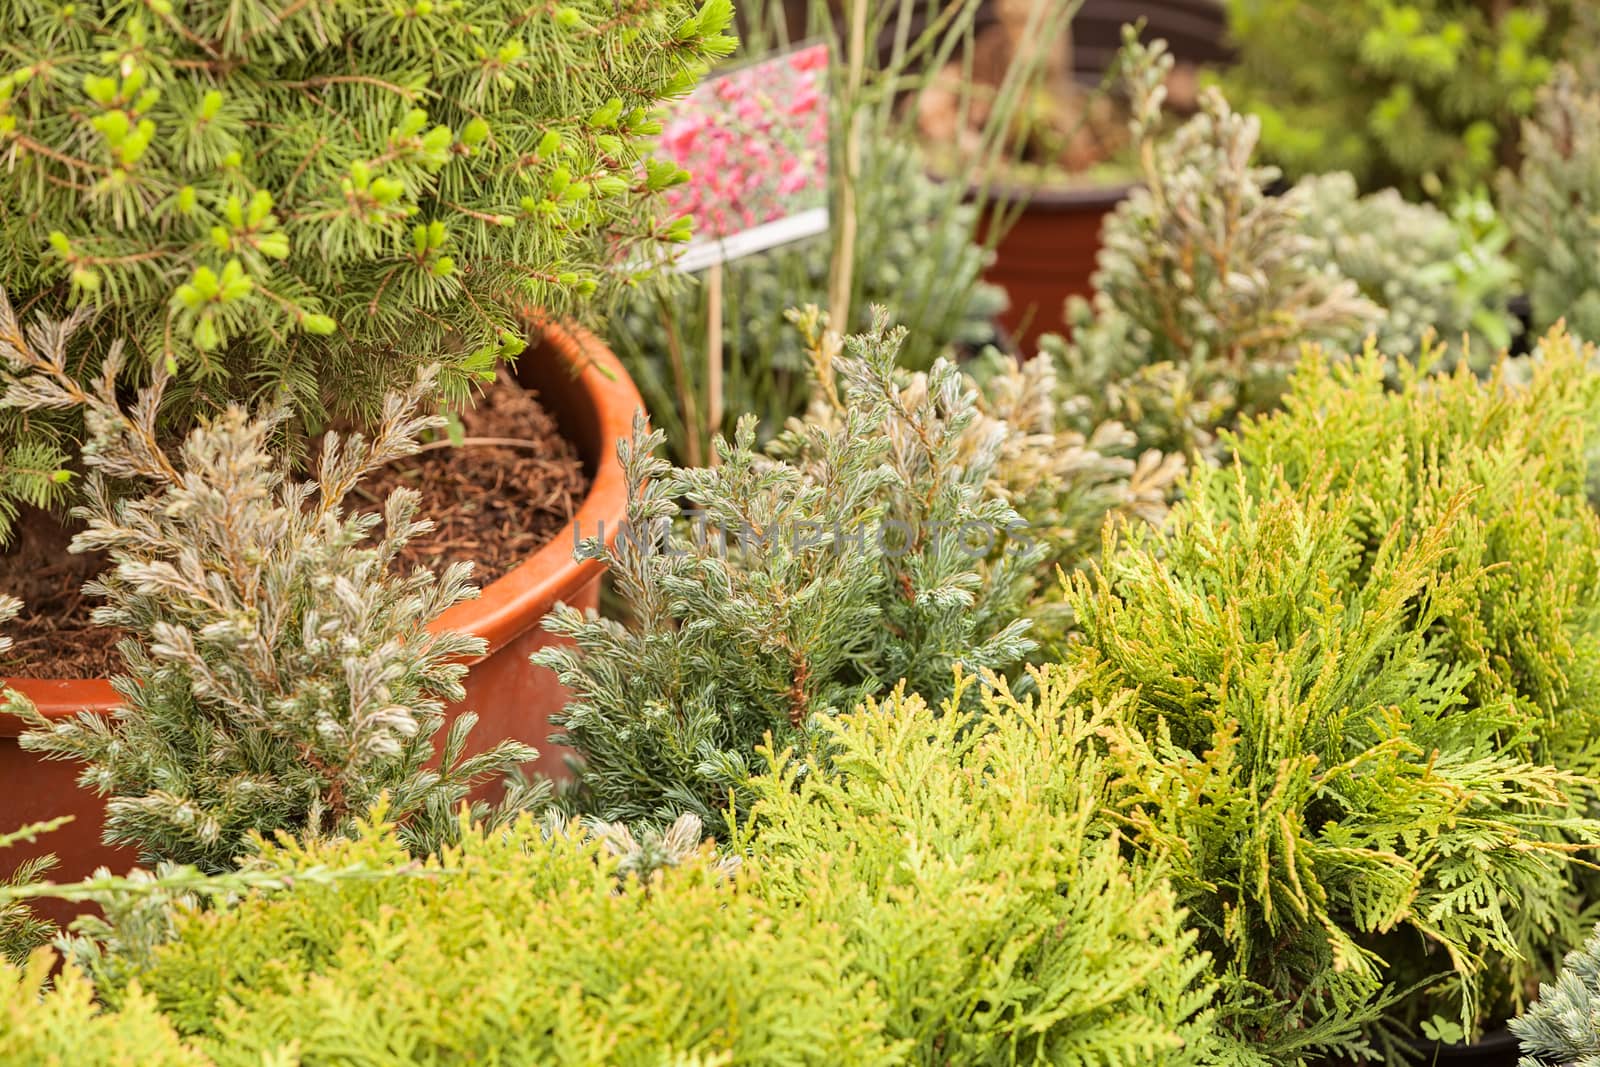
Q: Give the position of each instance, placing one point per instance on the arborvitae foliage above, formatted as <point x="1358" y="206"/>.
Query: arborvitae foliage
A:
<point x="1343" y="816"/>
<point x="979" y="883"/>
<point x="1562" y="1028"/>
<point x="512" y="946"/>
<point x="1513" y="448"/>
<point x="1206" y="285"/>
<point x="1553" y="205"/>
<point x="47" y="1018"/>
<point x="1422" y="94"/>
<point x="914" y="253"/>
<point x="279" y="675"/>
<point x="864" y="551"/>
<point x="1527" y="544"/>
<point x="927" y="888"/>
<point x="324" y="196"/>
<point x="1428" y="270"/>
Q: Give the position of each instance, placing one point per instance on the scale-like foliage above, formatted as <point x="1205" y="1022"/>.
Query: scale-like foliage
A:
<point x="1553" y="205"/>
<point x="58" y="1020"/>
<point x="864" y="551"/>
<point x="324" y="196"/>
<point x="280" y="677"/>
<point x="980" y="885"/>
<point x="1343" y="816"/>
<point x="1206" y="285"/>
<point x="1514" y="447"/>
<point x="1509" y="455"/>
<point x="513" y="946"/>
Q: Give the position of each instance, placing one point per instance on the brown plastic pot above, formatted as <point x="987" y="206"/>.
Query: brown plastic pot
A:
<point x="583" y="384"/>
<point x="1047" y="255"/>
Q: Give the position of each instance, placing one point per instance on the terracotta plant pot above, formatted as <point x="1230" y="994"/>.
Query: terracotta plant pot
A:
<point x="582" y="383"/>
<point x="1047" y="256"/>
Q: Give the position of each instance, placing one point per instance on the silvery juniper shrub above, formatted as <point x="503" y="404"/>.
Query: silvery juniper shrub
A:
<point x="1553" y="205"/>
<point x="323" y="197"/>
<point x="280" y="676"/>
<point x="1427" y="269"/>
<point x="862" y="550"/>
<point x="1562" y="1027"/>
<point x="1206" y="286"/>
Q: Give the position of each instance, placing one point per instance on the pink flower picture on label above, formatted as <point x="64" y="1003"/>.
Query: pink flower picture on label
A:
<point x="755" y="144"/>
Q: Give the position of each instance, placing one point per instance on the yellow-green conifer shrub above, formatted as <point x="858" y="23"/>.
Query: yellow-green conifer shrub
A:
<point x="981" y="885"/>
<point x="1510" y="454"/>
<point x="517" y="946"/>
<point x="1345" y="811"/>
<point x="44" y="1022"/>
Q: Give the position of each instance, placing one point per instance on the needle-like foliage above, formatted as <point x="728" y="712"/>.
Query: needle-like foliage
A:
<point x="279" y="675"/>
<point x="323" y="196"/>
<point x="1562" y="1028"/>
<point x="862" y="551"/>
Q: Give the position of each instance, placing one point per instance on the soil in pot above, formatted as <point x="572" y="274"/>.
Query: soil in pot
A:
<point x="492" y="504"/>
<point x="512" y="485"/>
<point x="54" y="636"/>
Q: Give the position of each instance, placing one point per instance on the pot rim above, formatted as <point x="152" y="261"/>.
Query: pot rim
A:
<point x="518" y="600"/>
<point x="1057" y="198"/>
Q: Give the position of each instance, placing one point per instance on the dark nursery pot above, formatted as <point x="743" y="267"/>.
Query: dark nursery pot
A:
<point x="1497" y="1048"/>
<point x="583" y="384"/>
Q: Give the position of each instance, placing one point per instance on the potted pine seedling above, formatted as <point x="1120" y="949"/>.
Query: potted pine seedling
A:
<point x="303" y="207"/>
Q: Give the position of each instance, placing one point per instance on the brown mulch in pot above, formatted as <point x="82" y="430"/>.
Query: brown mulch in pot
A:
<point x="492" y="504"/>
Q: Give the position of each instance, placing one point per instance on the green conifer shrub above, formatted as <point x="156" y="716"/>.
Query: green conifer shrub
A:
<point x="1420" y="94"/>
<point x="862" y="550"/>
<point x="45" y="1019"/>
<point x="323" y="198"/>
<point x="1562" y="1027"/>
<point x="1353" y="829"/>
<point x="1552" y="205"/>
<point x="1206" y="286"/>
<point x="980" y="883"/>
<point x="927" y="887"/>
<point x="279" y="676"/>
